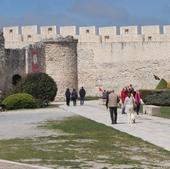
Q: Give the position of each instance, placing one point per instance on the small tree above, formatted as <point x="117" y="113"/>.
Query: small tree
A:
<point x="39" y="85"/>
<point x="162" y="84"/>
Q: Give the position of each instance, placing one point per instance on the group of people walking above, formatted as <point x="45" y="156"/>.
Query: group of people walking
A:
<point x="131" y="101"/>
<point x="73" y="96"/>
<point x="126" y="91"/>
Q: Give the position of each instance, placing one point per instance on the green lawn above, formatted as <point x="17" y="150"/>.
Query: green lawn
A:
<point x="85" y="144"/>
<point x="88" y="98"/>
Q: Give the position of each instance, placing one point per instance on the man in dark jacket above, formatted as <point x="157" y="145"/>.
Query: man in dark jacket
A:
<point x="67" y="94"/>
<point x="82" y="94"/>
<point x="74" y="96"/>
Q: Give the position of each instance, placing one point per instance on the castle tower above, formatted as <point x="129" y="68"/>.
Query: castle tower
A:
<point x="61" y="63"/>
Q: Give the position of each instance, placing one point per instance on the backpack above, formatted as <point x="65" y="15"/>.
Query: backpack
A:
<point x="74" y="95"/>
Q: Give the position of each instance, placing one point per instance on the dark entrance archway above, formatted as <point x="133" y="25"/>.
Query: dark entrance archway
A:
<point x="15" y="79"/>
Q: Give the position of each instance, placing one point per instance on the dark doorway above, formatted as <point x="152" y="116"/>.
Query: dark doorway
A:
<point x="16" y="79"/>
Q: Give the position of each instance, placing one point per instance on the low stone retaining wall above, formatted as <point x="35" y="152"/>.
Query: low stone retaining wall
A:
<point x="151" y="109"/>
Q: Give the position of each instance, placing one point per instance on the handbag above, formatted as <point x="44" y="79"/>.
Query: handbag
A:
<point x="141" y="101"/>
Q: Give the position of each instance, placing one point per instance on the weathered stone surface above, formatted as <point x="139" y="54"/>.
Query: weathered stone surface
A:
<point x="2" y="62"/>
<point x="57" y="57"/>
<point x="151" y="109"/>
<point x="115" y="65"/>
<point x="12" y="62"/>
<point x="61" y="64"/>
<point x="14" y="65"/>
<point x="107" y="60"/>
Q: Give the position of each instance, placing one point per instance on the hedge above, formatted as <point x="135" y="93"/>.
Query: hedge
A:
<point x="19" y="101"/>
<point x="147" y="92"/>
<point x="159" y="98"/>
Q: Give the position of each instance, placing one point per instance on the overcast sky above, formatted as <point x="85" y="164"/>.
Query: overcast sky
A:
<point x="84" y="12"/>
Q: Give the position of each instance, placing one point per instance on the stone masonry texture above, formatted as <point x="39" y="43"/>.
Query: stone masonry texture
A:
<point x="61" y="64"/>
<point x="12" y="62"/>
<point x="58" y="58"/>
<point x="106" y="60"/>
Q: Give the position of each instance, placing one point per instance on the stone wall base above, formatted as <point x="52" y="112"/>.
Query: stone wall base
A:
<point x="151" y="109"/>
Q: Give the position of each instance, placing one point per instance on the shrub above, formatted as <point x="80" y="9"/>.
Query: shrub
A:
<point x="159" y="99"/>
<point x="19" y="101"/>
<point x="168" y="85"/>
<point x="162" y="84"/>
<point x="147" y="92"/>
<point x="92" y="98"/>
<point x="40" y="103"/>
<point x="39" y="85"/>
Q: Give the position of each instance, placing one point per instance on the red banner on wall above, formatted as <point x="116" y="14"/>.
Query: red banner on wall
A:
<point x="35" y="66"/>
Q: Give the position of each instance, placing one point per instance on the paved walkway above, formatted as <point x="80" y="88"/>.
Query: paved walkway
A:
<point x="23" y="124"/>
<point x="152" y="129"/>
<point x="13" y="165"/>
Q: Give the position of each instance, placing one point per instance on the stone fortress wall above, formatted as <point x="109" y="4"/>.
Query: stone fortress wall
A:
<point x="108" y="57"/>
<point x="12" y="62"/>
<point x="56" y="57"/>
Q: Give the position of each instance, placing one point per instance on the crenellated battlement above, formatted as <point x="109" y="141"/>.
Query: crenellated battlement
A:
<point x="19" y="37"/>
<point x="104" y="56"/>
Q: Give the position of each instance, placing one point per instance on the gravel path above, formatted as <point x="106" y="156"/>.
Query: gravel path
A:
<point x="23" y="123"/>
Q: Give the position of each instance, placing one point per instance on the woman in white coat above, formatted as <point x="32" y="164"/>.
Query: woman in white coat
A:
<point x="129" y="108"/>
